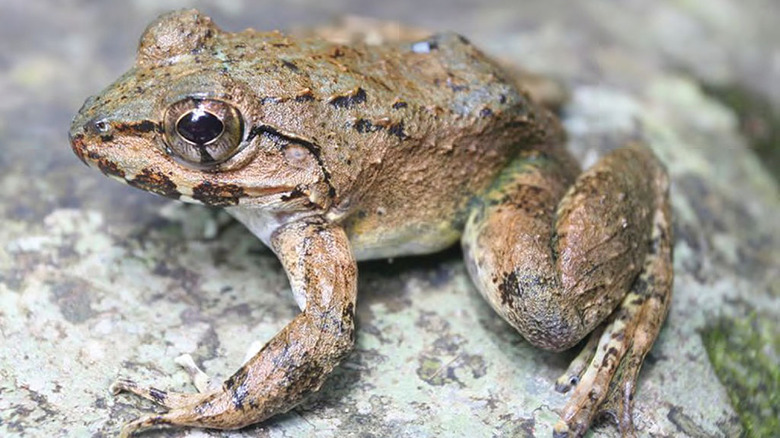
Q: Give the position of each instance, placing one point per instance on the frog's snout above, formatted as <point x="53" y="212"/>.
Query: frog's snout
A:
<point x="77" y="144"/>
<point x="82" y="131"/>
<point x="87" y="130"/>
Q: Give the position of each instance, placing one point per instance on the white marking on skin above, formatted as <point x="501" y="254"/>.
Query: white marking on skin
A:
<point x="421" y="47"/>
<point x="118" y="178"/>
<point x="189" y="200"/>
<point x="129" y="175"/>
<point x="184" y="190"/>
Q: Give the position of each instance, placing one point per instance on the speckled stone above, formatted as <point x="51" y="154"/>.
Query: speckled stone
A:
<point x="98" y="280"/>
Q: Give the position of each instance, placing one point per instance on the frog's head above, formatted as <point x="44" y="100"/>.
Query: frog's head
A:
<point x="181" y="124"/>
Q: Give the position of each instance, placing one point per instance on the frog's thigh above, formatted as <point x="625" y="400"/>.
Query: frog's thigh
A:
<point x="553" y="258"/>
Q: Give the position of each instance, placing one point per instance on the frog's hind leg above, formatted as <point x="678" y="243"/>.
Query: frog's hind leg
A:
<point x="608" y="383"/>
<point x="558" y="256"/>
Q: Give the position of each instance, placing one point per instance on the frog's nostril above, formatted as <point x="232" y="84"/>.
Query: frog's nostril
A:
<point x="98" y="126"/>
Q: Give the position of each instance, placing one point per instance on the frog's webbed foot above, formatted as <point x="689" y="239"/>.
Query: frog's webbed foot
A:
<point x="595" y="259"/>
<point x="290" y="366"/>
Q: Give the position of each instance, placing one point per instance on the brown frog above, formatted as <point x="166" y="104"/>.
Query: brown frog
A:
<point x="332" y="153"/>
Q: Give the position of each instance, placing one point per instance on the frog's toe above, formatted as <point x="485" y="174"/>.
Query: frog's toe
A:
<point x="573" y="374"/>
<point x="618" y="404"/>
<point x="183" y="409"/>
<point x="140" y="424"/>
<point x="167" y="399"/>
<point x="611" y="363"/>
<point x="183" y="416"/>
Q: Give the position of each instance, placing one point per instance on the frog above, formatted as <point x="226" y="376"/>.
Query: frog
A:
<point x="337" y="152"/>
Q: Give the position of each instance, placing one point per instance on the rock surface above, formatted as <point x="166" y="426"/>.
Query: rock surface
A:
<point x="99" y="280"/>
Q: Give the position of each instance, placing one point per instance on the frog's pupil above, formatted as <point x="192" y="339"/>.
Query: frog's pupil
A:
<point x="199" y="126"/>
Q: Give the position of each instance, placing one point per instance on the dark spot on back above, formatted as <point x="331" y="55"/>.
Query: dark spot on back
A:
<point x="364" y="126"/>
<point x="290" y="65"/>
<point x="270" y="99"/>
<point x="400" y="104"/>
<point x="397" y="129"/>
<point x="306" y="96"/>
<point x="349" y="100"/>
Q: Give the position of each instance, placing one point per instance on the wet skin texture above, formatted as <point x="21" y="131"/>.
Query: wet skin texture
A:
<point x="332" y="153"/>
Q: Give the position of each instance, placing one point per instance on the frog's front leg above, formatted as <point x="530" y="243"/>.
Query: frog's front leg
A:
<point x="295" y="363"/>
<point x="559" y="256"/>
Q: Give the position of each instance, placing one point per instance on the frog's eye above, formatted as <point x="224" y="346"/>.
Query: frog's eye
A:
<point x="203" y="132"/>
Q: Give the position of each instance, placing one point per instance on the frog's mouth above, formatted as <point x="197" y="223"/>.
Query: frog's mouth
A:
<point x="105" y="152"/>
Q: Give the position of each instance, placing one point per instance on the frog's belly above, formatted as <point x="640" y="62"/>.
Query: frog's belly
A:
<point x="380" y="242"/>
<point x="369" y="240"/>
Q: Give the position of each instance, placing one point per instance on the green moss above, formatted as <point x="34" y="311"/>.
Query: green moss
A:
<point x="744" y="353"/>
<point x="759" y="122"/>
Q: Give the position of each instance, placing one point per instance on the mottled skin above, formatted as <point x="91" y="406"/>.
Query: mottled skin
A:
<point x="337" y="153"/>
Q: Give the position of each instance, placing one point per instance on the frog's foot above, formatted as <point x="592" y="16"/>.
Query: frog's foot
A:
<point x="604" y="374"/>
<point x="172" y="401"/>
<point x="179" y="405"/>
<point x="169" y="400"/>
<point x="166" y="399"/>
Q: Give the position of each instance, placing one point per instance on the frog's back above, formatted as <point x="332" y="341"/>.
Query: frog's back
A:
<point x="408" y="132"/>
<point x="447" y="74"/>
<point x="456" y="119"/>
<point x="390" y="141"/>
